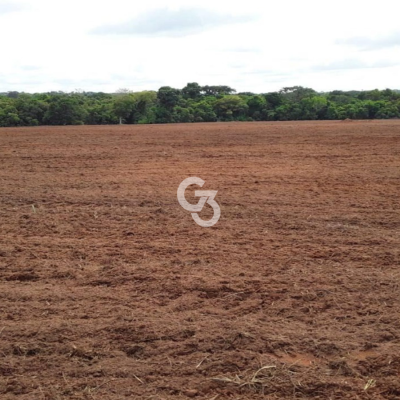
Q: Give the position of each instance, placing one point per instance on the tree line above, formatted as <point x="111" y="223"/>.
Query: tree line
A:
<point x="194" y="103"/>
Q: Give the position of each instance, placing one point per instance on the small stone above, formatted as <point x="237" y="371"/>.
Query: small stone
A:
<point x="191" y="393"/>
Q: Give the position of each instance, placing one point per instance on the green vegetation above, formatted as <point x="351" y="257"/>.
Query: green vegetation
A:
<point x="194" y="103"/>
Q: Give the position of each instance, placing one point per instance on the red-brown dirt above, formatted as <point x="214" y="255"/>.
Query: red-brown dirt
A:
<point x="109" y="289"/>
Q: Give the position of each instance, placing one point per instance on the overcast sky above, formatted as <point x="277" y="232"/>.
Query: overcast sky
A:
<point x="251" y="45"/>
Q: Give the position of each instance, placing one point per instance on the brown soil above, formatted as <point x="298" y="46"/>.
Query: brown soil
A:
<point x="109" y="290"/>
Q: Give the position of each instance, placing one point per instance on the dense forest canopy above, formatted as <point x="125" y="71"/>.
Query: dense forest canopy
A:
<point x="194" y="103"/>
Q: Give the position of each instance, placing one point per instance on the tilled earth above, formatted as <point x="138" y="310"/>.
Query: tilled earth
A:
<point x="109" y="290"/>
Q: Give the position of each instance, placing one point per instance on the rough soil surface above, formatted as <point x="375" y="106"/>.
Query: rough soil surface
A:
<point x="109" y="290"/>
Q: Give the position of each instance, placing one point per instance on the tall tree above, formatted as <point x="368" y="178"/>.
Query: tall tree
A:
<point x="192" y="91"/>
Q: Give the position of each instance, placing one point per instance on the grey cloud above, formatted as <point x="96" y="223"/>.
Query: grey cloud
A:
<point x="353" y="64"/>
<point x="367" y="43"/>
<point x="175" y="23"/>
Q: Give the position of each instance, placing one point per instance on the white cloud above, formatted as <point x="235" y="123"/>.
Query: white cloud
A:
<point x="175" y="23"/>
<point x="10" y="7"/>
<point x="350" y="64"/>
<point x="373" y="43"/>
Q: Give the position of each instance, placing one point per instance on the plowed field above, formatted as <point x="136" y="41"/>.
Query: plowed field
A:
<point x="109" y="289"/>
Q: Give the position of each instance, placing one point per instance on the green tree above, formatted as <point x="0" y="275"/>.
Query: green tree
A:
<point x="65" y="110"/>
<point x="182" y="114"/>
<point x="297" y="93"/>
<point x="389" y="110"/>
<point x="192" y="91"/>
<point x="101" y="113"/>
<point x="313" y="107"/>
<point x="168" y="97"/>
<point x="219" y="91"/>
<point x="203" y="111"/>
<point x="231" y="107"/>
<point x="8" y="112"/>
<point x="274" y="99"/>
<point x="31" y="110"/>
<point x="257" y="105"/>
